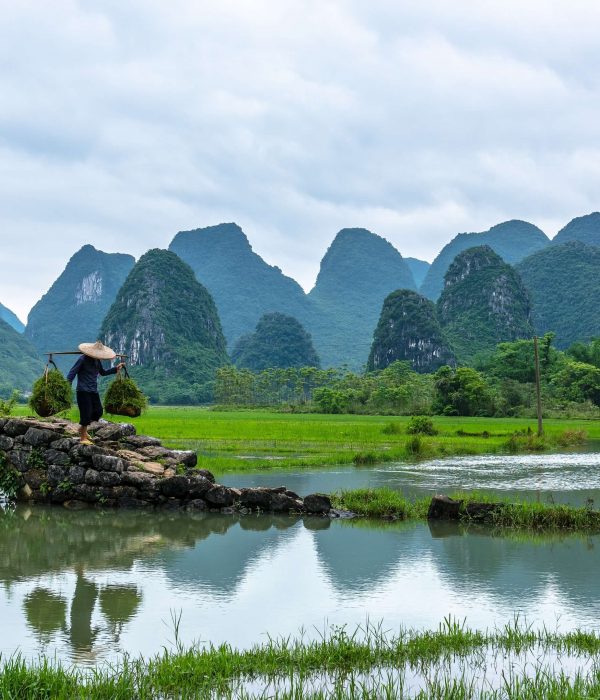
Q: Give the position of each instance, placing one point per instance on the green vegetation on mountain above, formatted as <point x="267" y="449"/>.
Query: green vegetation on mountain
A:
<point x="72" y="310"/>
<point x="565" y="294"/>
<point x="585" y="229"/>
<point x="11" y="318"/>
<point x="357" y="272"/>
<point x="408" y="329"/>
<point x="168" y="324"/>
<point x="483" y="303"/>
<point x="20" y="363"/>
<point x="278" y="341"/>
<point x="512" y="240"/>
<point x="418" y="268"/>
<point x="242" y="284"/>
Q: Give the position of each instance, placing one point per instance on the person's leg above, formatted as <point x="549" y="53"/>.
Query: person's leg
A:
<point x="84" y="403"/>
<point x="97" y="409"/>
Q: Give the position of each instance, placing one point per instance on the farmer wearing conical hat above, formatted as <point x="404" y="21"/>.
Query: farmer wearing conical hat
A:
<point x="87" y="368"/>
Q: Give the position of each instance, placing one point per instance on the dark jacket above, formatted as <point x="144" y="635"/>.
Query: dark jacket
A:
<point x="87" y="370"/>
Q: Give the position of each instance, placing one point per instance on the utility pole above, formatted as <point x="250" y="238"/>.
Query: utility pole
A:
<point x="538" y="392"/>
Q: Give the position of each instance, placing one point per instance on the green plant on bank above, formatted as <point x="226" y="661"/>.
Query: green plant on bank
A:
<point x="391" y="429"/>
<point x="365" y="663"/>
<point x="387" y="503"/>
<point x="44" y="488"/>
<point x="51" y="394"/>
<point x="9" y="478"/>
<point x="180" y="469"/>
<point x="65" y="485"/>
<point x="7" y="406"/>
<point x="421" y="425"/>
<point x="35" y="459"/>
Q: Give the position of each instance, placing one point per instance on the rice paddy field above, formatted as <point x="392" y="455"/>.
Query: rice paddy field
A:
<point x="259" y="440"/>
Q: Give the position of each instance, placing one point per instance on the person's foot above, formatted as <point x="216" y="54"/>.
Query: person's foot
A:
<point x="85" y="441"/>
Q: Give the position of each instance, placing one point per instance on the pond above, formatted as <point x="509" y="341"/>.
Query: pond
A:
<point x="88" y="586"/>
<point x="572" y="478"/>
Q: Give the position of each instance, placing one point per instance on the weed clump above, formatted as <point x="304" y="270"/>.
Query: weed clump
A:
<point x="361" y="458"/>
<point x="571" y="437"/>
<point x="421" y="425"/>
<point x="124" y="398"/>
<point x="7" y="405"/>
<point x="391" y="429"/>
<point x="51" y="394"/>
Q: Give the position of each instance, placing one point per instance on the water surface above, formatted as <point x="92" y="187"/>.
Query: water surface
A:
<point x="88" y="586"/>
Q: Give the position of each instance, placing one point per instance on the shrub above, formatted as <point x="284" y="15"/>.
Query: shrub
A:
<point x="9" y="479"/>
<point x="415" y="445"/>
<point x="51" y="394"/>
<point x="365" y="458"/>
<point x="391" y="429"/>
<point x="421" y="425"/>
<point x="7" y="405"/>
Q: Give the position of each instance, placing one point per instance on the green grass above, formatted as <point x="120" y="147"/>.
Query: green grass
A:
<point x="386" y="503"/>
<point x="349" y="663"/>
<point x="251" y="440"/>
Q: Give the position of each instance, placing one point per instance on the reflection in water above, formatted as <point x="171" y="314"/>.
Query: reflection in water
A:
<point x="89" y="585"/>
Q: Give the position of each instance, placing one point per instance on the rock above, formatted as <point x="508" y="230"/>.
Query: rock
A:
<point x="220" y="496"/>
<point x="35" y="478"/>
<point x="197" y="504"/>
<point x="186" y="457"/>
<point x="76" y="474"/>
<point x="89" y="493"/>
<point x="6" y="443"/>
<point x="85" y="453"/>
<point x="316" y="522"/>
<point x="317" y="503"/>
<point x="206" y="474"/>
<point x="15" y="427"/>
<point x="109" y="478"/>
<point x="155" y="452"/>
<point x="129" y="502"/>
<point x="198" y="486"/>
<point x="56" y="457"/>
<point x="92" y="477"/>
<point x="20" y="459"/>
<point x="256" y="498"/>
<point x="342" y="514"/>
<point x="108" y="463"/>
<point x="64" y="444"/>
<point x="56" y="474"/>
<point x="282" y="503"/>
<point x="137" y="479"/>
<point x="25" y="493"/>
<point x="151" y="467"/>
<point x="39" y="438"/>
<point x="137" y="441"/>
<point x="169" y="472"/>
<point x="444" y="508"/>
<point x="175" y="487"/>
<point x="130" y="456"/>
<point x="114" y="431"/>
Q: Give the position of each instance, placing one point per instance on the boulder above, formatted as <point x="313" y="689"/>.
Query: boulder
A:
<point x="56" y="457"/>
<point x="92" y="477"/>
<point x="175" y="487"/>
<point x="39" y="438"/>
<point x="221" y="496"/>
<point x="282" y="503"/>
<point x="137" y="441"/>
<point x="444" y="508"/>
<point x="76" y="474"/>
<point x="256" y="498"/>
<point x="198" y="486"/>
<point x="113" y="432"/>
<point x="6" y="442"/>
<point x="317" y="503"/>
<point x="108" y="463"/>
<point x="186" y="457"/>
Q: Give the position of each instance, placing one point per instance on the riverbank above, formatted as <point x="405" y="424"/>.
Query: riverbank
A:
<point x="384" y="503"/>
<point x="449" y="662"/>
<point x="247" y="441"/>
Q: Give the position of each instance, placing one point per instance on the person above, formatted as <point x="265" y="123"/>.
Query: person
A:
<point x="86" y="369"/>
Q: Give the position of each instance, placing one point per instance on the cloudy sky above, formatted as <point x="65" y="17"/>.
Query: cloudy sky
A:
<point x="125" y="121"/>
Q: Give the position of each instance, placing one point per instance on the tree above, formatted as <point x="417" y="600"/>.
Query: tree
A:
<point x="462" y="392"/>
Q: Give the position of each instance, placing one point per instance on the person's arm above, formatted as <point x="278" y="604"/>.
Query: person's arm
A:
<point x="75" y="369"/>
<point x="112" y="370"/>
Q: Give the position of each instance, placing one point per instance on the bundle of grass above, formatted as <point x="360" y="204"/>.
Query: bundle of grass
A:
<point x="124" y="398"/>
<point x="51" y="394"/>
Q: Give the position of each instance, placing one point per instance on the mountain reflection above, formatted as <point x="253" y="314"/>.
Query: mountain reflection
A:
<point x="109" y="559"/>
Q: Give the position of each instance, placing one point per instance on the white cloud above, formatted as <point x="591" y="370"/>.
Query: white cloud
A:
<point x="124" y="122"/>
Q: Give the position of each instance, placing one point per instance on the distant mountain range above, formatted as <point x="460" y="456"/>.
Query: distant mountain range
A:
<point x="11" y="318"/>
<point x="358" y="272"/>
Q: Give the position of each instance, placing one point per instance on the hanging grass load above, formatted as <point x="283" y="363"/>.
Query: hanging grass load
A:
<point x="51" y="394"/>
<point x="124" y="398"/>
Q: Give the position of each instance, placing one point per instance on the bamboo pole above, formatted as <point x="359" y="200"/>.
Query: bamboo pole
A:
<point x="538" y="391"/>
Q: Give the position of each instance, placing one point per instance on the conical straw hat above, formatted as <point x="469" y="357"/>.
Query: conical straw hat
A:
<point x="98" y="351"/>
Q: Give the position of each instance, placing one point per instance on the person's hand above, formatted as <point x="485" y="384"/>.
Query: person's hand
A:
<point x="121" y="365"/>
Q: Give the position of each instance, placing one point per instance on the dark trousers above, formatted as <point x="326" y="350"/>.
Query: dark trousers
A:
<point x="90" y="407"/>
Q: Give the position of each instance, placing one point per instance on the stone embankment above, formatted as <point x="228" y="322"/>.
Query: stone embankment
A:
<point x="125" y="470"/>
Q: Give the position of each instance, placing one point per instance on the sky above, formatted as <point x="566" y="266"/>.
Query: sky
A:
<point x="125" y="121"/>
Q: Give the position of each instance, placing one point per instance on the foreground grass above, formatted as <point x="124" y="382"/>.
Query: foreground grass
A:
<point x="349" y="665"/>
<point x="386" y="503"/>
<point x="256" y="440"/>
